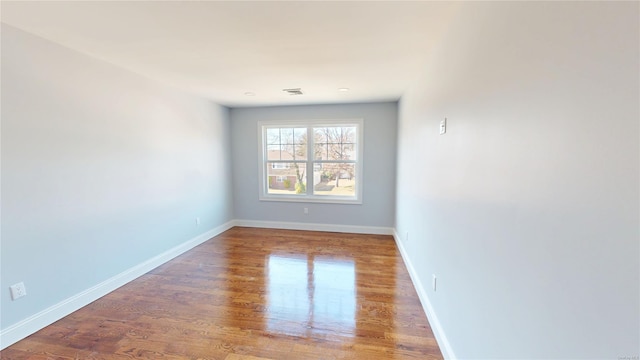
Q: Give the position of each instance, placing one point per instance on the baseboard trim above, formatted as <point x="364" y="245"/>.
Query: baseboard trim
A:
<point x="33" y="323"/>
<point x="438" y="331"/>
<point x="315" y="227"/>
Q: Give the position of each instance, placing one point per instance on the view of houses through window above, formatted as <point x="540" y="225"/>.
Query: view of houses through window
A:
<point x="313" y="160"/>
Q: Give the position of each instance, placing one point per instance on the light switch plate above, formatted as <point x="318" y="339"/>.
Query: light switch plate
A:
<point x="443" y="126"/>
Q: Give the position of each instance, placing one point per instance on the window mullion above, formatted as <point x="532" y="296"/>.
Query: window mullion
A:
<point x="310" y="159"/>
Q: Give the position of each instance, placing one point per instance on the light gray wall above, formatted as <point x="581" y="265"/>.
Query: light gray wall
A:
<point x="527" y="209"/>
<point x="101" y="170"/>
<point x="378" y="204"/>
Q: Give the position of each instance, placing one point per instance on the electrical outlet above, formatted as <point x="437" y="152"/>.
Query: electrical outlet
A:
<point x="197" y="221"/>
<point x="306" y="211"/>
<point x="406" y="237"/>
<point x="434" y="282"/>
<point x="18" y="290"/>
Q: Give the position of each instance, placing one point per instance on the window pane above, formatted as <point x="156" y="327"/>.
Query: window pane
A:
<point x="300" y="135"/>
<point x="349" y="151"/>
<point x="320" y="135"/>
<point x="320" y="151"/>
<point x="300" y="143"/>
<point x="286" y="143"/>
<point x="273" y="136"/>
<point x="273" y="152"/>
<point x="286" y="136"/>
<point x="287" y="152"/>
<point x="334" y="179"/>
<point x="300" y="152"/>
<point x="335" y="143"/>
<point x="286" y="178"/>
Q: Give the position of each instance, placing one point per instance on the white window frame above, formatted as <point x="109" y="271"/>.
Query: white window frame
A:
<point x="309" y="197"/>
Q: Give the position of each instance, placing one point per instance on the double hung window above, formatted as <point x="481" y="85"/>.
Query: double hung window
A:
<point x="312" y="161"/>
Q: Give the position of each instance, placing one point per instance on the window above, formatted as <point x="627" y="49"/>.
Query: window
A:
<point x="312" y="161"/>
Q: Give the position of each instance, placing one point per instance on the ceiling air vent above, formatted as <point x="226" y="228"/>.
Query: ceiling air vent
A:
<point x="296" y="91"/>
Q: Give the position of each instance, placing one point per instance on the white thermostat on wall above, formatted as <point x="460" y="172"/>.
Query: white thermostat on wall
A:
<point x="443" y="126"/>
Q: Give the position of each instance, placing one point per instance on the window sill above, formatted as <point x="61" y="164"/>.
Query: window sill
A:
<point x="312" y="199"/>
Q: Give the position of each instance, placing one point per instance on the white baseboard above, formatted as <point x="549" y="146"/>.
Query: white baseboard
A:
<point x="441" y="338"/>
<point x="315" y="227"/>
<point x="30" y="325"/>
<point x="35" y="322"/>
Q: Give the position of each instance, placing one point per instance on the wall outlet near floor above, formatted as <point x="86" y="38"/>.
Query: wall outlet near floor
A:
<point x="406" y="237"/>
<point x="434" y="282"/>
<point x="18" y="290"/>
<point x="197" y="221"/>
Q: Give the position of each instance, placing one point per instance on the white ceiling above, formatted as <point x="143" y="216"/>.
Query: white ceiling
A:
<point x="222" y="50"/>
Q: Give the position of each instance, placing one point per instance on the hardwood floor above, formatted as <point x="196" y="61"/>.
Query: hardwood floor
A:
<point x="254" y="294"/>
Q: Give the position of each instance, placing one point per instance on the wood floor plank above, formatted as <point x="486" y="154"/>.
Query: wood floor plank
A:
<point x="254" y="294"/>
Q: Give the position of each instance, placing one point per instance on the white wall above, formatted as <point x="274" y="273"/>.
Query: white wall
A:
<point x="379" y="133"/>
<point x="101" y="170"/>
<point x="527" y="209"/>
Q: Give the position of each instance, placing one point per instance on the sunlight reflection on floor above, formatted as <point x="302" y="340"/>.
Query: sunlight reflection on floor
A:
<point x="310" y="295"/>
